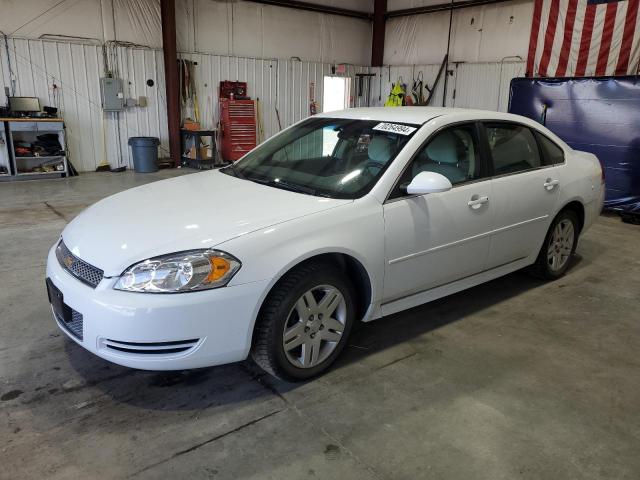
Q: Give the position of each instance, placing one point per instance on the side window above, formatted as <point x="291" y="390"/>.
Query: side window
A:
<point x="552" y="153"/>
<point x="453" y="152"/>
<point x="513" y="148"/>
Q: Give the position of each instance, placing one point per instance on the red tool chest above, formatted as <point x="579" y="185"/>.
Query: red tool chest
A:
<point x="237" y="127"/>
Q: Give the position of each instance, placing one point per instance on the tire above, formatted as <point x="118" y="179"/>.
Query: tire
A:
<point x="303" y="290"/>
<point x="557" y="245"/>
<point x="633" y="219"/>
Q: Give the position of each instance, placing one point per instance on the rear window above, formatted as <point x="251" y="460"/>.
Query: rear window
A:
<point x="551" y="152"/>
<point x="513" y="148"/>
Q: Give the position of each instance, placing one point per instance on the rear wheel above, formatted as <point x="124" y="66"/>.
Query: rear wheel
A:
<point x="558" y="248"/>
<point x="305" y="321"/>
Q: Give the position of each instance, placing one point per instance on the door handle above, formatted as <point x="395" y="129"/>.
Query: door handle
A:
<point x="550" y="184"/>
<point x="477" y="201"/>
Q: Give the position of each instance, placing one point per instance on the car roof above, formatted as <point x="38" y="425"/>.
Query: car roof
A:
<point x="416" y="115"/>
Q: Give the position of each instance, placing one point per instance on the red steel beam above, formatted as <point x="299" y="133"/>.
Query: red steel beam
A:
<point x="379" y="24"/>
<point x="172" y="83"/>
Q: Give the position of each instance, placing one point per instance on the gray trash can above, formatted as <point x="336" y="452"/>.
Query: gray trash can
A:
<point x="145" y="153"/>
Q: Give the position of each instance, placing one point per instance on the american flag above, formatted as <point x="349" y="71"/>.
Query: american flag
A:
<point x="577" y="38"/>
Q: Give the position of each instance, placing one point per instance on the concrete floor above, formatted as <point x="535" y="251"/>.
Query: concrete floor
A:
<point x="512" y="379"/>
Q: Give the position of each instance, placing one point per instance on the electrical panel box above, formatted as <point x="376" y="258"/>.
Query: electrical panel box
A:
<point x="111" y="94"/>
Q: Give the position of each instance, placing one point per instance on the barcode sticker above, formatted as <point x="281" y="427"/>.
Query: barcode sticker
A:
<point x="395" y="128"/>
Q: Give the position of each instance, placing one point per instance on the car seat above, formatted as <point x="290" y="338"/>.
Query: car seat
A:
<point x="442" y="156"/>
<point x="380" y="150"/>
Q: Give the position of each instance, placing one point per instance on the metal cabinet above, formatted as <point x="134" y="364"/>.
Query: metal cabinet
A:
<point x="5" y="158"/>
<point x="33" y="149"/>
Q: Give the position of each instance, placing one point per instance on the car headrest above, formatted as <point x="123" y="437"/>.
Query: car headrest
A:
<point x="443" y="149"/>
<point x="380" y="149"/>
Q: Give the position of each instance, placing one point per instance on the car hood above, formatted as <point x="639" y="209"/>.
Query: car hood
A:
<point x="183" y="213"/>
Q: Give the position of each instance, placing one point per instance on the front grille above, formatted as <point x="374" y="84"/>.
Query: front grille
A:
<point x="80" y="269"/>
<point x="150" y="348"/>
<point x="75" y="326"/>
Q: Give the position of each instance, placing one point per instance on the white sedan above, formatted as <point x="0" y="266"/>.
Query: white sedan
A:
<point x="344" y="217"/>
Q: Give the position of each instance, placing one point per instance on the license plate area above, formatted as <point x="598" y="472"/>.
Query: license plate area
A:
<point x="56" y="299"/>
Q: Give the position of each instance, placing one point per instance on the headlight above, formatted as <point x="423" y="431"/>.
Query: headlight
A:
<point x="180" y="272"/>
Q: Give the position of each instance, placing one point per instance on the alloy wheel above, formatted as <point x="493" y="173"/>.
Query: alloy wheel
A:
<point x="314" y="326"/>
<point x="560" y="245"/>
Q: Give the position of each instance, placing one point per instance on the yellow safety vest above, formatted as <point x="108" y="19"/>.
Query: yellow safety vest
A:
<point x="396" y="97"/>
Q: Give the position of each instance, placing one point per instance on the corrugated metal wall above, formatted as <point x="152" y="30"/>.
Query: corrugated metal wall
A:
<point x="472" y="85"/>
<point x="93" y="136"/>
<point x="484" y="85"/>
<point x="62" y="75"/>
<point x="281" y="84"/>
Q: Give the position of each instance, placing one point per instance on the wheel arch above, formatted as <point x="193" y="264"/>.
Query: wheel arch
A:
<point x="353" y="267"/>
<point x="577" y="207"/>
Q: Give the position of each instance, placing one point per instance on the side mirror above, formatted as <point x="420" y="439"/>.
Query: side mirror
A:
<point x="428" y="182"/>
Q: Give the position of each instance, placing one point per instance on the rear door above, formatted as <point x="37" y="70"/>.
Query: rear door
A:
<point x="525" y="187"/>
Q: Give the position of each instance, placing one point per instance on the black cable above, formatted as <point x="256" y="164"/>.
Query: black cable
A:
<point x="446" y="69"/>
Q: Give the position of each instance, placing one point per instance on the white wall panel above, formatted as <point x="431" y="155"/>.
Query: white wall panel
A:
<point x="484" y="85"/>
<point x="505" y="31"/>
<point x="223" y="27"/>
<point x="345" y="40"/>
<point x="471" y="85"/>
<point x="420" y="39"/>
<point x="62" y="75"/>
<point x="32" y="18"/>
<point x="486" y="33"/>
<point x="407" y="73"/>
<point x="247" y="31"/>
<point x="282" y="86"/>
<point x="213" y="29"/>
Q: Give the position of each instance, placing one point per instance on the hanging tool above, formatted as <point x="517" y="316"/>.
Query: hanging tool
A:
<point x="435" y="82"/>
<point x="259" y="121"/>
<point x="446" y="70"/>
<point x="417" y="90"/>
<point x="543" y="115"/>
<point x="361" y="78"/>
<point x="188" y="89"/>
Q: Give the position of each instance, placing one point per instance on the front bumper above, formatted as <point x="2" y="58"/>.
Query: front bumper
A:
<point x="160" y="331"/>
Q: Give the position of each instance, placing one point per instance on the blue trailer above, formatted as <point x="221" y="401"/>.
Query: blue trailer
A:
<point x="600" y="115"/>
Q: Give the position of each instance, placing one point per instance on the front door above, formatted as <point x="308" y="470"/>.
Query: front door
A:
<point x="438" y="238"/>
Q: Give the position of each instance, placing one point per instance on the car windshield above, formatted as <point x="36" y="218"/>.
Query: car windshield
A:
<point x="330" y="157"/>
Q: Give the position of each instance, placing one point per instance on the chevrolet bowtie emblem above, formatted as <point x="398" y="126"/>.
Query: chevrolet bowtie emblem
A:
<point x="68" y="261"/>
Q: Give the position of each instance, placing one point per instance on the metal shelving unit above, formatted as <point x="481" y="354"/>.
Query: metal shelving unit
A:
<point x="191" y="142"/>
<point x="26" y="131"/>
<point x="5" y="158"/>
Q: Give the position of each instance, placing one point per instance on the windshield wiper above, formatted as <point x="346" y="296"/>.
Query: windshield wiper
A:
<point x="236" y="171"/>
<point x="285" y="186"/>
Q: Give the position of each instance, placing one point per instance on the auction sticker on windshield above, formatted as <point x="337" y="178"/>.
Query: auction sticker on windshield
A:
<point x="395" y="128"/>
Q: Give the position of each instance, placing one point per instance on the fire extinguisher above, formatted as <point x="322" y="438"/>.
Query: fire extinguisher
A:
<point x="313" y="105"/>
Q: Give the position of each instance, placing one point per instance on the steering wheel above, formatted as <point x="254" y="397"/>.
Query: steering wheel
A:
<point x="373" y="165"/>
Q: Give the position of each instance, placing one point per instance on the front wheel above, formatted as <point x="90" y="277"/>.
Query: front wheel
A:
<point x="305" y="322"/>
<point x="558" y="247"/>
